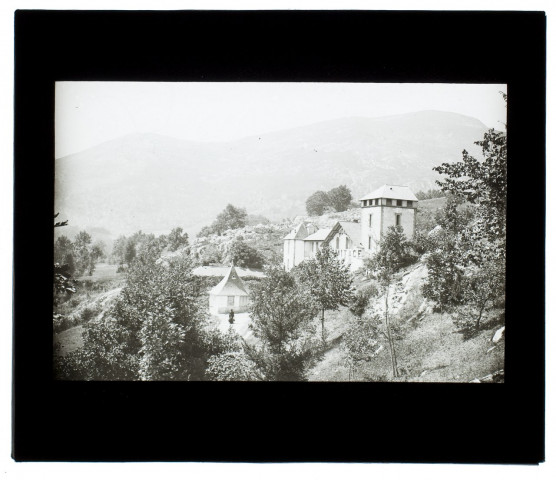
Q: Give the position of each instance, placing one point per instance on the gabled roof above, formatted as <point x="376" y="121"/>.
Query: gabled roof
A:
<point x="298" y="233"/>
<point x="352" y="230"/>
<point x="397" y="192"/>
<point x="319" y="235"/>
<point x="231" y="284"/>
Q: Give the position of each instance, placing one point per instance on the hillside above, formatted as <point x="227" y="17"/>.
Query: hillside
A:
<point x="154" y="183"/>
<point x="429" y="347"/>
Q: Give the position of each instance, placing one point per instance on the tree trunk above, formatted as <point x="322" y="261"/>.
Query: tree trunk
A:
<point x="389" y="336"/>
<point x="478" y="321"/>
<point x="322" y="327"/>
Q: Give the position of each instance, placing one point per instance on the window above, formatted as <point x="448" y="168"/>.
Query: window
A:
<point x="370" y="220"/>
<point x="347" y="243"/>
<point x="389" y="201"/>
<point x="410" y="203"/>
<point x="369" y="243"/>
<point x="230" y="301"/>
<point x="337" y="243"/>
<point x="398" y="219"/>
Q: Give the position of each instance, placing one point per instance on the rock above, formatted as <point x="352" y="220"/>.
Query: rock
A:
<point x="498" y="335"/>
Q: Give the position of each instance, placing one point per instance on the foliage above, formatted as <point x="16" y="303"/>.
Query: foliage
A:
<point x="282" y="313"/>
<point x="340" y="198"/>
<point x="232" y="364"/>
<point x="130" y="252"/>
<point x="467" y="268"/>
<point x="431" y="193"/>
<point x="253" y="219"/>
<point x="328" y="281"/>
<point x="360" y="342"/>
<point x="316" y="203"/>
<point x="484" y="287"/>
<point x="484" y="184"/>
<point x="243" y="255"/>
<point x="394" y="253"/>
<point x="156" y="330"/>
<point x="361" y="300"/>
<point x="210" y="254"/>
<point x="63" y="284"/>
<point x="337" y="199"/>
<point x="447" y="259"/>
<point x="177" y="239"/>
<point x="105" y="354"/>
<point x="230" y="218"/>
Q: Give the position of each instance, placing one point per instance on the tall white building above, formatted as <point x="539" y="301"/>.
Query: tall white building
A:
<point x="387" y="206"/>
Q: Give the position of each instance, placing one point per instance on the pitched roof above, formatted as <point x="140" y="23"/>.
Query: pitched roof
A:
<point x="319" y="235"/>
<point x="352" y="230"/>
<point x="398" y="192"/>
<point x="298" y="233"/>
<point x="231" y="284"/>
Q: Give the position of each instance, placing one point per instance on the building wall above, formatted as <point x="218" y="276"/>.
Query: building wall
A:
<point x="383" y="217"/>
<point x="350" y="255"/>
<point x="219" y="304"/>
<point x="294" y="253"/>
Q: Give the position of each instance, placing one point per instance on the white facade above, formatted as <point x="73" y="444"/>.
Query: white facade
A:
<point x="385" y="207"/>
<point x="230" y="294"/>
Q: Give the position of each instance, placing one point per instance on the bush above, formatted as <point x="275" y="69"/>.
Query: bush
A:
<point x="243" y="255"/>
<point x="361" y="299"/>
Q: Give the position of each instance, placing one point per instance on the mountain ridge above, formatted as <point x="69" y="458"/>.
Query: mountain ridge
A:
<point x="155" y="182"/>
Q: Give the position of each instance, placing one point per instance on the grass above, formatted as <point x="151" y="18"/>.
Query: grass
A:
<point x="69" y="340"/>
<point x="104" y="272"/>
<point x="429" y="346"/>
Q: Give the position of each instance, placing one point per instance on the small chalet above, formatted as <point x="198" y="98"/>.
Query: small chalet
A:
<point x="230" y="293"/>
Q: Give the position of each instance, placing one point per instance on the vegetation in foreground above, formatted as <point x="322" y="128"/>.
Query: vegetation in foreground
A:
<point x="438" y="328"/>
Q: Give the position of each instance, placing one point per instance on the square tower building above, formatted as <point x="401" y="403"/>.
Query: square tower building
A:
<point x="387" y="206"/>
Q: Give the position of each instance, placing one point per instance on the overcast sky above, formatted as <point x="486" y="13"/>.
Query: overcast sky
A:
<point x="89" y="113"/>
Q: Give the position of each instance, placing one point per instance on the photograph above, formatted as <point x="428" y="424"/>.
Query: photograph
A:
<point x="280" y="231"/>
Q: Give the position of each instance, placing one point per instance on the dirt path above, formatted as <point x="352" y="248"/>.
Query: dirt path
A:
<point x="240" y="325"/>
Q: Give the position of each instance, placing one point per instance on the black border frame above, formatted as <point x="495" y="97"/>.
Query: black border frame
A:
<point x="118" y="421"/>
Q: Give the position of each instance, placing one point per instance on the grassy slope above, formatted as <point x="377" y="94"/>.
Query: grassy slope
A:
<point x="429" y="349"/>
<point x="107" y="285"/>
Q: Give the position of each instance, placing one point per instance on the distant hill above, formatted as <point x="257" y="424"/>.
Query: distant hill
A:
<point x="154" y="183"/>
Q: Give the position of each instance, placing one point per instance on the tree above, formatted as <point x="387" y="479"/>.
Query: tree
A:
<point x="328" y="280"/>
<point x="210" y="254"/>
<point x="394" y="253"/>
<point x="118" y="250"/>
<point x="282" y="313"/>
<point x="484" y="184"/>
<point x="97" y="252"/>
<point x="162" y="303"/>
<point x="230" y="218"/>
<point x="130" y="252"/>
<point x="482" y="245"/>
<point x="82" y="244"/>
<point x="64" y="253"/>
<point x="243" y="255"/>
<point x="62" y="281"/>
<point x="317" y="203"/>
<point x="340" y="198"/>
<point x="360" y="342"/>
<point x="177" y="239"/>
<point x="361" y="299"/>
<point x="483" y="288"/>
<point x="446" y="262"/>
